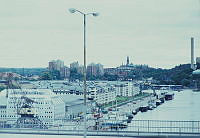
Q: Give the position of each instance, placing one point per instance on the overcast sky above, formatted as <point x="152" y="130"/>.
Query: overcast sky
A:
<point x="153" y="32"/>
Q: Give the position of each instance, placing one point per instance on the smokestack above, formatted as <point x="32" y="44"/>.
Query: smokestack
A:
<point x="192" y="54"/>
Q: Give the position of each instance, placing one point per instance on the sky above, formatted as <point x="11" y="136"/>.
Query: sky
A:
<point x="152" y="32"/>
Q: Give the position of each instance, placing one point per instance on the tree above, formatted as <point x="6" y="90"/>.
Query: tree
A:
<point x="56" y="75"/>
<point x="46" y="76"/>
<point x="110" y="77"/>
<point x="185" y="82"/>
<point x="74" y="75"/>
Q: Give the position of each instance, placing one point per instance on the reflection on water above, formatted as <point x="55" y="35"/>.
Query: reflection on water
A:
<point x="184" y="106"/>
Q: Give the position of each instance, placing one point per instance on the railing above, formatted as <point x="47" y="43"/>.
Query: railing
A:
<point x="136" y="127"/>
<point x="165" y="126"/>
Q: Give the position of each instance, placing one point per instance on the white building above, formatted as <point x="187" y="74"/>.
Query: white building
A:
<point x="48" y="107"/>
<point x="3" y="107"/>
<point x="106" y="92"/>
<point x="102" y="93"/>
<point x="126" y="89"/>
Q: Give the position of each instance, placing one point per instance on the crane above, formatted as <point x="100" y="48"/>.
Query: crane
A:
<point x="28" y="114"/>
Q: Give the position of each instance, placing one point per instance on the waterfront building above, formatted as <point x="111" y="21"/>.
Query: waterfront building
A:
<point x="106" y="92"/>
<point x="125" y="88"/>
<point x="102" y="93"/>
<point x="3" y="109"/>
<point x="47" y="106"/>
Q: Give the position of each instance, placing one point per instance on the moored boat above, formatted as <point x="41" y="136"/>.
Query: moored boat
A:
<point x="169" y="96"/>
<point x="144" y="108"/>
<point x="134" y="112"/>
<point x="158" y="102"/>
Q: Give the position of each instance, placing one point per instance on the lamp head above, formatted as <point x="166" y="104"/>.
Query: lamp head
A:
<point x="72" y="10"/>
<point x="95" y="14"/>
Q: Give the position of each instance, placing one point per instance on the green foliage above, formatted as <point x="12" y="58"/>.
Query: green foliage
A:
<point x="181" y="74"/>
<point x="124" y="99"/>
<point x="56" y="75"/>
<point x="50" y="75"/>
<point x="185" y="82"/>
<point x="25" y="71"/>
<point x="46" y="76"/>
<point x="2" y="88"/>
<point x="110" y="77"/>
<point x="74" y="75"/>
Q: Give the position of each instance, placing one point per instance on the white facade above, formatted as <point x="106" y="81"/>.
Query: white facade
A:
<point x="106" y="92"/>
<point x="102" y="95"/>
<point x="48" y="107"/>
<point x="126" y="89"/>
<point x="3" y="107"/>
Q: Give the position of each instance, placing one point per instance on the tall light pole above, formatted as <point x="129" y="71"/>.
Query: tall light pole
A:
<point x="72" y="10"/>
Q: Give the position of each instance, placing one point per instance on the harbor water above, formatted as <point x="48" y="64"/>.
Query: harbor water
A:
<point x="184" y="107"/>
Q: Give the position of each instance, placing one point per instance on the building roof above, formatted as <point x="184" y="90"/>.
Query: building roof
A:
<point x="72" y="99"/>
<point x="35" y="93"/>
<point x="3" y="100"/>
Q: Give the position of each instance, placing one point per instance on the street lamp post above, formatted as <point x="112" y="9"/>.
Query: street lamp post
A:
<point x="72" y="10"/>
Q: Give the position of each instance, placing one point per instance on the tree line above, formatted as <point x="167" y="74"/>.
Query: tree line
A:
<point x="179" y="75"/>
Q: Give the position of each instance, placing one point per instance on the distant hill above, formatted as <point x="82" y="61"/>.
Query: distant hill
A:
<point x="24" y="71"/>
<point x="180" y="75"/>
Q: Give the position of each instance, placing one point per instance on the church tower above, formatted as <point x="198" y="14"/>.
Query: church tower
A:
<point x="127" y="62"/>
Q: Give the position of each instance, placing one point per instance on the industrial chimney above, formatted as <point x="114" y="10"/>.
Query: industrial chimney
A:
<point x="192" y="54"/>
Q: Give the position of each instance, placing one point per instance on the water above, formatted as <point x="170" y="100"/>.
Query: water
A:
<point x="184" y="106"/>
